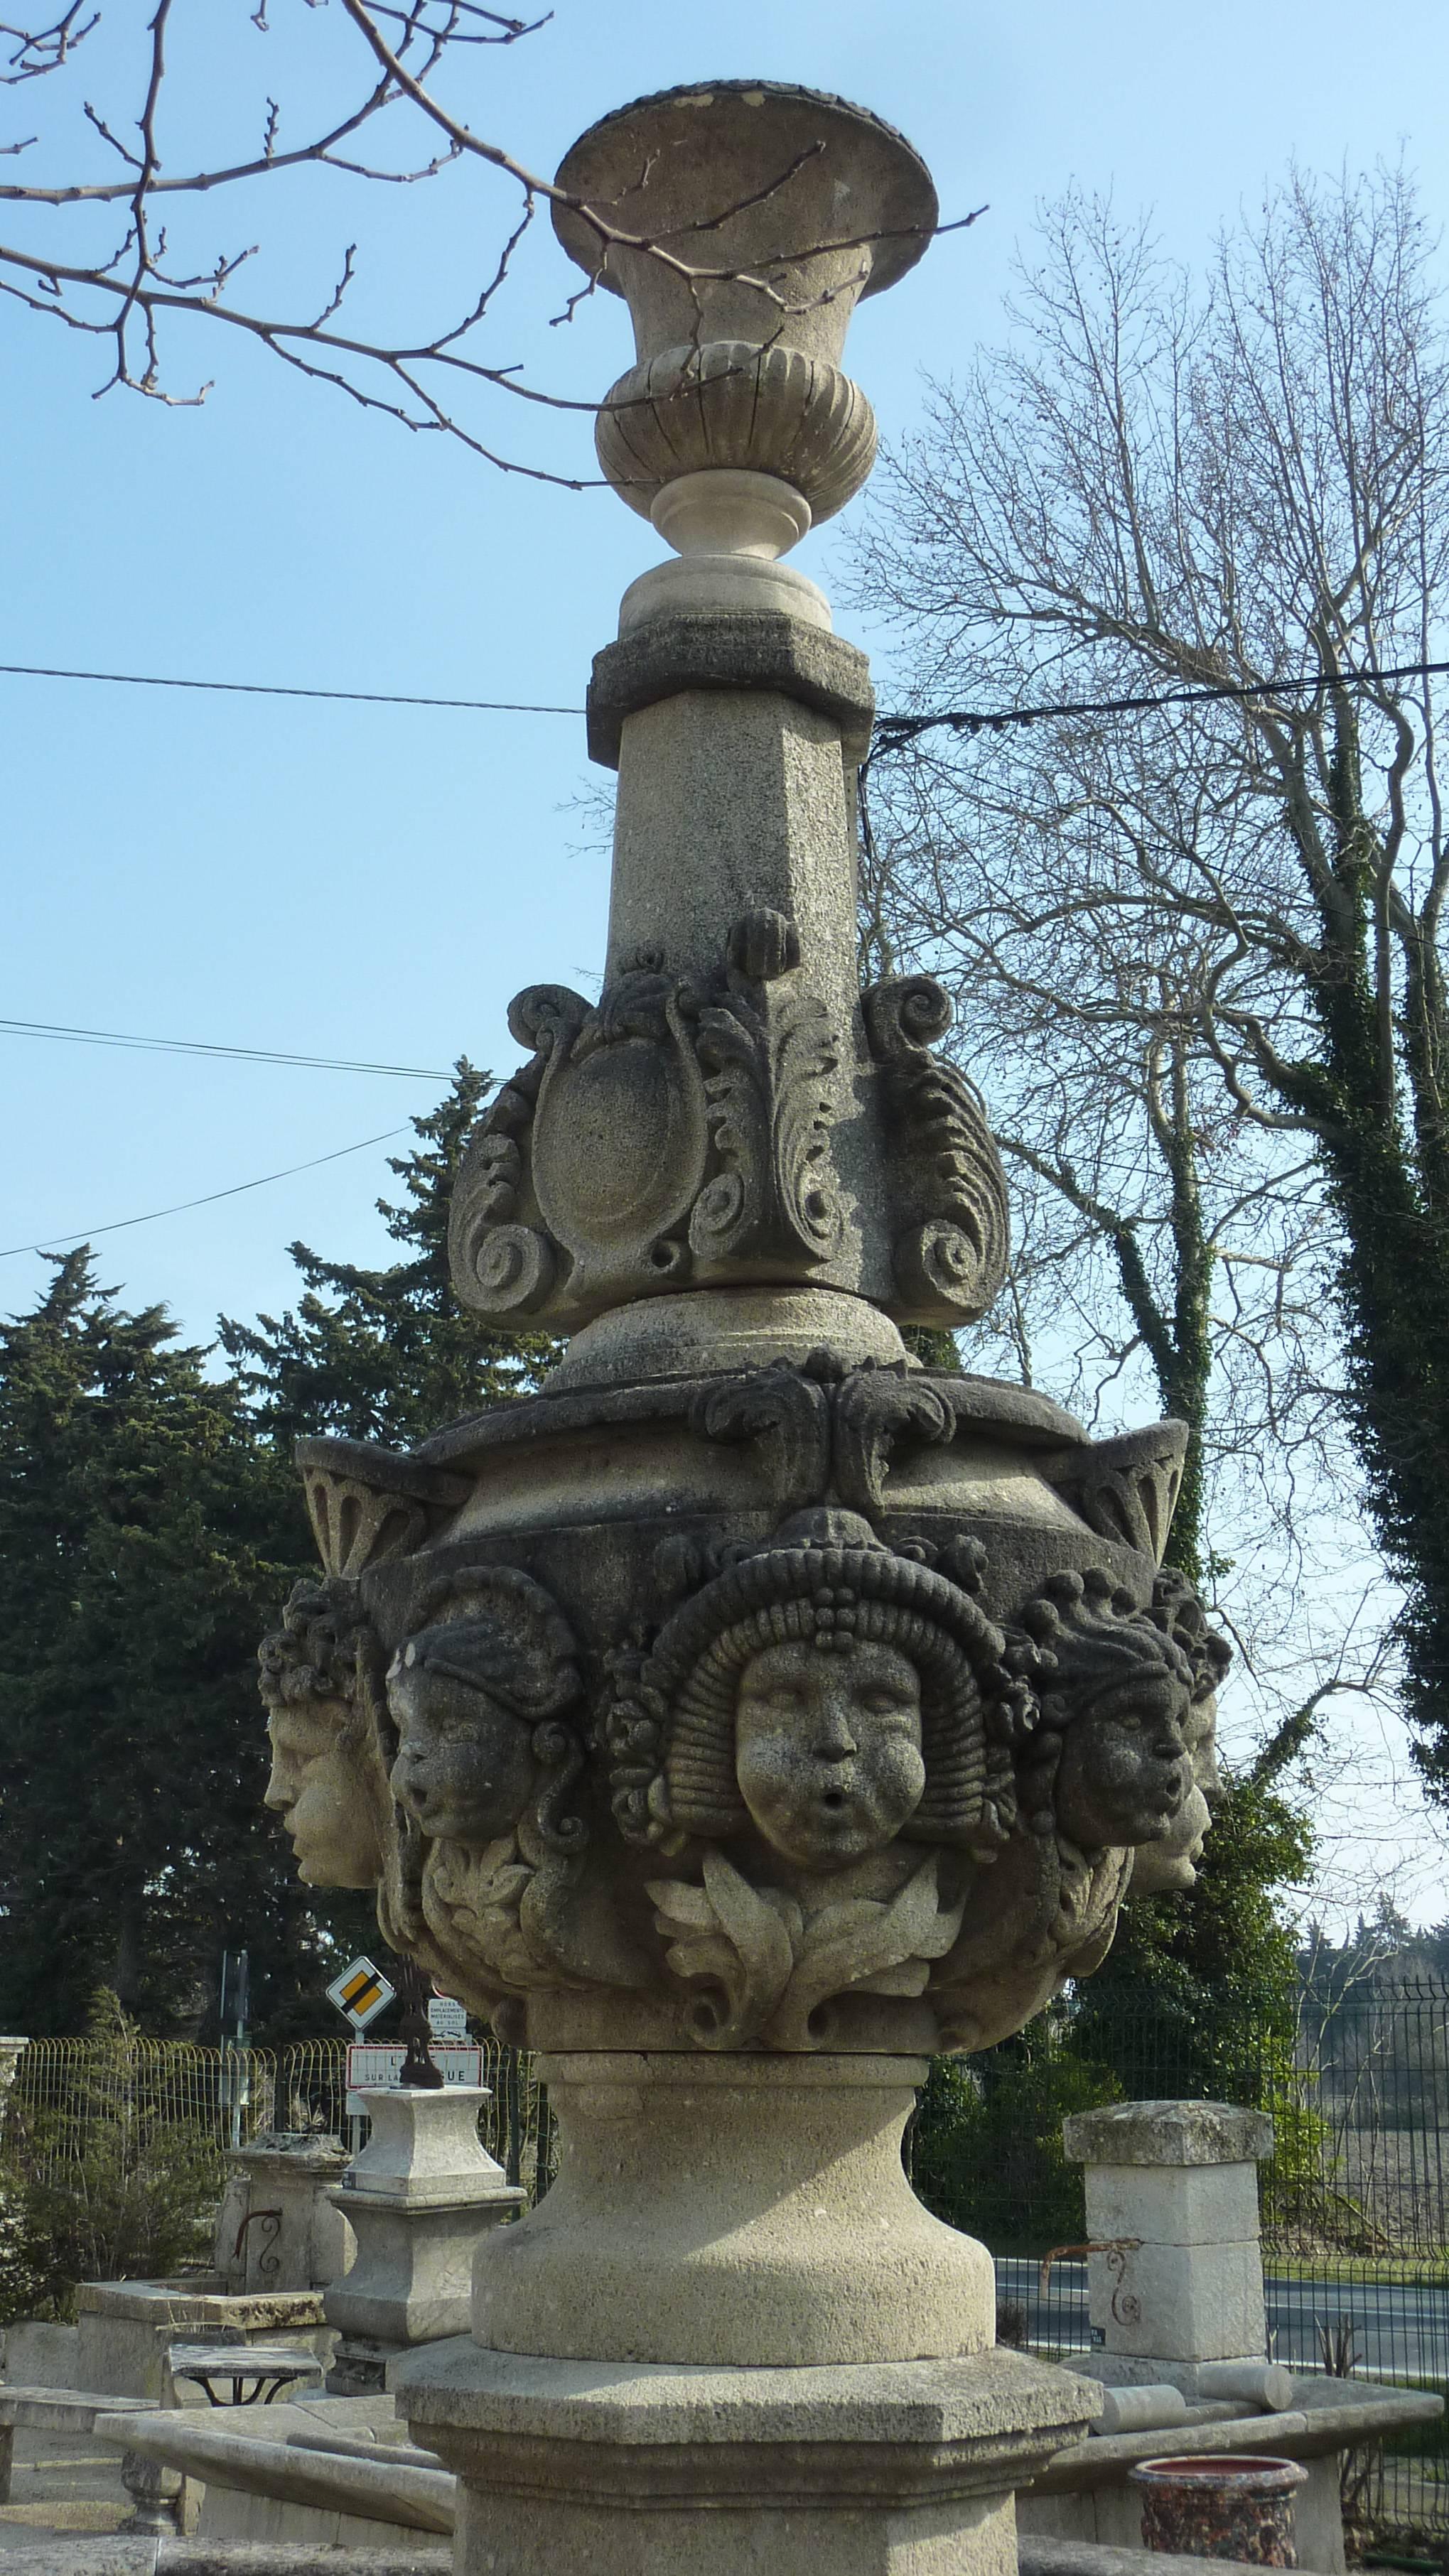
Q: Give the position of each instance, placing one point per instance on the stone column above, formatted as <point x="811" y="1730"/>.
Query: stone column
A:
<point x="417" y="2200"/>
<point x="1173" y="2188"/>
<point x="751" y="1714"/>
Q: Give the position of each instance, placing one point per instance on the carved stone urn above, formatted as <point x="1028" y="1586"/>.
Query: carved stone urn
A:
<point x="753" y="1713"/>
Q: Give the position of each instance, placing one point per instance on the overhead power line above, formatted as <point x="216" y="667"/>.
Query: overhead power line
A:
<point x="893" y="732"/>
<point x="86" y="1233"/>
<point x="205" y="1047"/>
<point x="275" y="689"/>
<point x="890" y="731"/>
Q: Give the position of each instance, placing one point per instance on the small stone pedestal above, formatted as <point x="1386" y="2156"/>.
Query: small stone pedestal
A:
<point x="1172" y="2190"/>
<point x="618" y="2469"/>
<point x="275" y="2229"/>
<point x="418" y="2198"/>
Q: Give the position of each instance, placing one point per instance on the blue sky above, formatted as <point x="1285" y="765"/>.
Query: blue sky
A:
<point x="377" y="882"/>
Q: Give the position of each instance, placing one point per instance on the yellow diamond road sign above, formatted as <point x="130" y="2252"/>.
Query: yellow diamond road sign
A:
<point x="361" y="1992"/>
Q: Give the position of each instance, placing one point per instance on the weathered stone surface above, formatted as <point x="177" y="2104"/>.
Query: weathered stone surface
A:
<point x="775" y="653"/>
<point x="1174" y="2204"/>
<point x="246" y="2449"/>
<point x="829" y="202"/>
<point x="731" y="2210"/>
<point x="1141" y="2410"/>
<point x="284" y="2232"/>
<point x="765" y="1713"/>
<point x="906" y="2469"/>
<point x="418" y="2198"/>
<point x="1039" y="2555"/>
<point x="1167" y="2133"/>
<point x="39" y="2355"/>
<point x="124" y="2329"/>
<point x="1181" y="2302"/>
<point x="203" y="2557"/>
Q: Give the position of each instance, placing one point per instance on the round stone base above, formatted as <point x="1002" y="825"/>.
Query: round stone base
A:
<point x="709" y="1329"/>
<point x="739" y="2209"/>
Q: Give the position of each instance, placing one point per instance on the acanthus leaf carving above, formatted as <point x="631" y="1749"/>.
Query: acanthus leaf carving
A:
<point x="829" y="1433"/>
<point x="769" y="1050"/>
<point x="500" y="1254"/>
<point x="769" y="1967"/>
<point x="951" y="1229"/>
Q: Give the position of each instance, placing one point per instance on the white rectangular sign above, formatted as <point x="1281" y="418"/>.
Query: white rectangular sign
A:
<point x="447" y="2019"/>
<point x="378" y="2065"/>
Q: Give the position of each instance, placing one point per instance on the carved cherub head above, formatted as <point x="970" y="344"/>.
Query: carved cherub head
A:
<point x="327" y="1781"/>
<point x="1171" y="1864"/>
<point x="476" y="1693"/>
<point x="1116" y="1699"/>
<point x="831" y="1698"/>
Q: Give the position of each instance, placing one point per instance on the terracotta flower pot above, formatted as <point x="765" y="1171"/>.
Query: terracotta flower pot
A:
<point x="1223" y="2505"/>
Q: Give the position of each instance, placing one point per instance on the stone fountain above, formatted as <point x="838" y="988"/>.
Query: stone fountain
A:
<point x="754" y="1713"/>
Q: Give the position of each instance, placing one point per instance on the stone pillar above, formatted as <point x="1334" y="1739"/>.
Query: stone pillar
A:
<point x="1172" y="2187"/>
<point x="417" y="2200"/>
<point x="281" y="2232"/>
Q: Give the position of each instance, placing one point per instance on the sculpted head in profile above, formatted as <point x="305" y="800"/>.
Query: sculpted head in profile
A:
<point x="1164" y="1867"/>
<point x="327" y="1782"/>
<point x="829" y="1700"/>
<point x="1116" y="1694"/>
<point x="477" y="1693"/>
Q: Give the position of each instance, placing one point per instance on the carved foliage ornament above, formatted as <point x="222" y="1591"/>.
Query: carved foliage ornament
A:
<point x="671" y="1135"/>
<point x="952" y="1222"/>
<point x="665" y="1136"/>
<point x="826" y="1773"/>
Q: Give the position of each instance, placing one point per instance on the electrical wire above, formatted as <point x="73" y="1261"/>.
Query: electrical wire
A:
<point x="273" y="689"/>
<point x="204" y="1047"/>
<point x="890" y="731"/>
<point x="893" y="732"/>
<point x="87" y="1234"/>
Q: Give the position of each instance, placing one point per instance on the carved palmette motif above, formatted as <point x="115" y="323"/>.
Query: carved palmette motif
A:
<point x="769" y="1051"/>
<point x="665" y="1136"/>
<point x="950" y="1226"/>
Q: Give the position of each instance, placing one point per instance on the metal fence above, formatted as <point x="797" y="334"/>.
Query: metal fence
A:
<point x="1354" y="2203"/>
<point x="64" y="2090"/>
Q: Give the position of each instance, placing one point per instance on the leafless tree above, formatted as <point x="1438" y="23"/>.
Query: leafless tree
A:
<point x="1200" y="944"/>
<point x="109" y="202"/>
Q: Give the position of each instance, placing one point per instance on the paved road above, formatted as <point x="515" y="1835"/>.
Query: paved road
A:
<point x="1400" y="2329"/>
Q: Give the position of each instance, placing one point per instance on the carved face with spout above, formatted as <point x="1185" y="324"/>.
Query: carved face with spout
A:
<point x="825" y="1696"/>
<point x="1116" y="1703"/>
<point x="1125" y="1771"/>
<point x="828" y="1748"/>
<point x="464" y="1768"/>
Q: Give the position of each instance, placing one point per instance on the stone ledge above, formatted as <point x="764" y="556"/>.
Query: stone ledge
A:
<point x="648" y="2436"/>
<point x="672" y="654"/>
<point x="1167" y="2133"/>
<point x="1039" y="2556"/>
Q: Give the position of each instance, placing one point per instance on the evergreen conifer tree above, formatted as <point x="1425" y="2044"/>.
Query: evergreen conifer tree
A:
<point x="146" y="1536"/>
<point x="388" y="1354"/>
